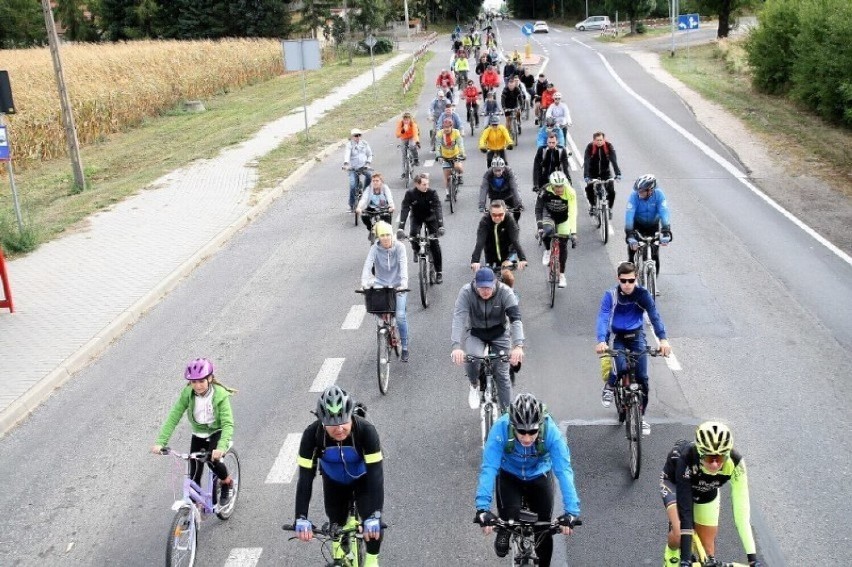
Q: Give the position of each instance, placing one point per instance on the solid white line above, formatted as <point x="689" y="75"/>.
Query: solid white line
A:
<point x="728" y="166"/>
<point x="327" y="374"/>
<point x="284" y="467"/>
<point x="243" y="557"/>
<point x="354" y="317"/>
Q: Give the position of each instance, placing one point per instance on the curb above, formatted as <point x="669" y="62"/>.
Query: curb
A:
<point x="41" y="390"/>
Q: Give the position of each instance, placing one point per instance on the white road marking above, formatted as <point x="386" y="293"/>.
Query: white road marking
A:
<point x="354" y="318"/>
<point x="327" y="374"/>
<point x="244" y="557"/>
<point x="605" y="421"/>
<point x="284" y="467"/>
<point x="728" y="166"/>
<point x="429" y="163"/>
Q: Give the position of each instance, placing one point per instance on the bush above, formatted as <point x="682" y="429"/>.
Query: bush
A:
<point x="770" y="46"/>
<point x="640" y="28"/>
<point x="383" y="45"/>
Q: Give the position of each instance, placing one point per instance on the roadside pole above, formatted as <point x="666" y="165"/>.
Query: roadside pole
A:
<point x="6" y="155"/>
<point x="302" y="55"/>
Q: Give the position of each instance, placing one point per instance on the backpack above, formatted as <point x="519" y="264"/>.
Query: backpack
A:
<point x="539" y="441"/>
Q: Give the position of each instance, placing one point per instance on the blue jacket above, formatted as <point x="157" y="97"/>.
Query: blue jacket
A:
<point x="647" y="212"/>
<point x="526" y="464"/>
<point x="620" y="313"/>
<point x="541" y="141"/>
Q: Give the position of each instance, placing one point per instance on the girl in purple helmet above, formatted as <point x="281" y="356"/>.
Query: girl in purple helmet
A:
<point x="207" y="405"/>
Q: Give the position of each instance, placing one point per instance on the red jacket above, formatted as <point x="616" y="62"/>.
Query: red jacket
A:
<point x="445" y="80"/>
<point x="471" y="94"/>
<point x="547" y="98"/>
<point x="491" y="79"/>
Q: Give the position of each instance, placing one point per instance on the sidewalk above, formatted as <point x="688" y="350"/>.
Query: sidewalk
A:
<point x="74" y="295"/>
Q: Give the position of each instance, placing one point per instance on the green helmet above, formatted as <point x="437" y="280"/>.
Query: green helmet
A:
<point x="335" y="406"/>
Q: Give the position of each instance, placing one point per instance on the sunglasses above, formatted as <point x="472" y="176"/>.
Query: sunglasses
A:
<point x="714" y="458"/>
<point x="498" y="215"/>
<point x="356" y="135"/>
<point x="627" y="280"/>
<point x="527" y="432"/>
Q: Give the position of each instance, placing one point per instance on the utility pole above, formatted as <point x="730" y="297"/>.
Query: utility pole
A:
<point x="348" y="37"/>
<point x="64" y="101"/>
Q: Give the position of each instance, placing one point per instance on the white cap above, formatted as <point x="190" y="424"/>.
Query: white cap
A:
<point x="355" y="132"/>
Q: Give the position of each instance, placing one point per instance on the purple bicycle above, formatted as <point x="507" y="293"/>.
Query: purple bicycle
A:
<point x="197" y="503"/>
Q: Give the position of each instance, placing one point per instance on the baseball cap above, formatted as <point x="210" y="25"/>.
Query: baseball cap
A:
<point x="355" y="132"/>
<point x="484" y="278"/>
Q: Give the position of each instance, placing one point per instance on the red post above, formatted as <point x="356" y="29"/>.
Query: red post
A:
<point x="6" y="302"/>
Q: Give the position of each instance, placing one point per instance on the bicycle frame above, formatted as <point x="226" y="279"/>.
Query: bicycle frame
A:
<point x="527" y="532"/>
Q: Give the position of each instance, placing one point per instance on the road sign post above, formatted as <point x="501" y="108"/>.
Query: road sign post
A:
<point x="687" y="22"/>
<point x="527" y="29"/>
<point x="302" y="55"/>
<point x="371" y="43"/>
<point x="6" y="155"/>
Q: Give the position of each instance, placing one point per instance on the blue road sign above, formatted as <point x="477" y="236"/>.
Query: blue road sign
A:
<point x="527" y="29"/>
<point x="5" y="155"/>
<point x="686" y="22"/>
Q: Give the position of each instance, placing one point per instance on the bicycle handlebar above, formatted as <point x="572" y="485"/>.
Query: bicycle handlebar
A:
<point x="398" y="290"/>
<point x="329" y="530"/>
<point x="611" y="352"/>
<point x="502" y="356"/>
<point x="552" y="526"/>
<point x="202" y="455"/>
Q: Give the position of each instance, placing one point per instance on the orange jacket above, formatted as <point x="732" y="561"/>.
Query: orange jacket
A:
<point x="547" y="98"/>
<point x="412" y="132"/>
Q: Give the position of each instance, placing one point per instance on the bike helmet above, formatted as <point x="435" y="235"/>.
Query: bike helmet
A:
<point x="557" y="96"/>
<point x="558" y="178"/>
<point x="713" y="438"/>
<point x="382" y="228"/>
<point x="198" y="369"/>
<point x="494" y="120"/>
<point x="498" y="163"/>
<point x="645" y="183"/>
<point x="550" y="122"/>
<point x="525" y="413"/>
<point x="334" y="406"/>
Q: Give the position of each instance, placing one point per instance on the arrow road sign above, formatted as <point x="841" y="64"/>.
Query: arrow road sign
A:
<point x="527" y="29"/>
<point x="687" y="22"/>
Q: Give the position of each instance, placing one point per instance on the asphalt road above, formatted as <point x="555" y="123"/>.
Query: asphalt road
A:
<point x="757" y="311"/>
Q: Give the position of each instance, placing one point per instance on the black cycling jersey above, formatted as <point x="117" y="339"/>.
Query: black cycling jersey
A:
<point x="423" y="206"/>
<point x="497" y="240"/>
<point x="547" y="161"/>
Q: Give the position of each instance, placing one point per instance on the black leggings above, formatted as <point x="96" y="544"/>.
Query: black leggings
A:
<point x="538" y="497"/>
<point x="432" y="229"/>
<point x="200" y="443"/>
<point x="337" y="499"/>
<point x="609" y="184"/>
<point x="655" y="249"/>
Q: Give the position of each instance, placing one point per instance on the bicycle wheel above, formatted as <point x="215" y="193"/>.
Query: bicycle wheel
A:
<point x="453" y="181"/>
<point x="603" y="222"/>
<point x="424" y="282"/>
<point x="488" y="411"/>
<point x="651" y="281"/>
<point x="395" y="339"/>
<point x="360" y="549"/>
<point x="382" y="359"/>
<point x="598" y="213"/>
<point x="232" y="462"/>
<point x="634" y="436"/>
<point x="182" y="542"/>
<point x="554" y="271"/>
<point x="619" y="404"/>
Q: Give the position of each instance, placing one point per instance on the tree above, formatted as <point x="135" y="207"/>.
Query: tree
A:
<point x="258" y="18"/>
<point x="21" y="24"/>
<point x="725" y="10"/>
<point x="69" y="14"/>
<point x="369" y="14"/>
<point x="634" y="10"/>
<point x="315" y="16"/>
<point x="119" y="20"/>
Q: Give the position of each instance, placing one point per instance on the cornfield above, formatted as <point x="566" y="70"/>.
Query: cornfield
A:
<point x="116" y="86"/>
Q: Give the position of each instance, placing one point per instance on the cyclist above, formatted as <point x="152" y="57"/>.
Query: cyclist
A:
<point x="547" y="97"/>
<point x="450" y="144"/>
<point x="499" y="182"/>
<point x="207" y="405"/>
<point x="476" y="42"/>
<point x="560" y="114"/>
<point x="490" y="79"/>
<point x="461" y="67"/>
<point x="492" y="107"/>
<point x="386" y="265"/>
<point x="471" y="99"/>
<point x="528" y="82"/>
<point x="524" y="451"/>
<point x="495" y="140"/>
<point x="449" y="112"/>
<point x="556" y="214"/>
<point x="378" y="197"/>
<point x="425" y="208"/>
<point x="690" y="483"/>
<point x="408" y="131"/>
<point x="481" y="66"/>
<point x="356" y="154"/>
<point x="546" y="129"/>
<point x="549" y="158"/>
<point x="346" y="447"/>
<point x="599" y="156"/>
<point x="540" y="87"/>
<point x="498" y="236"/>
<point x="621" y="317"/>
<point x="511" y="99"/>
<point x="509" y="70"/>
<point x="484" y="307"/>
<point x="447" y="82"/>
<point x="647" y="211"/>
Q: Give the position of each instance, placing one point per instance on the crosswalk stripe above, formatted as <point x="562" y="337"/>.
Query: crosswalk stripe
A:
<point x="327" y="374"/>
<point x="284" y="467"/>
<point x="243" y="557"/>
<point x="354" y="318"/>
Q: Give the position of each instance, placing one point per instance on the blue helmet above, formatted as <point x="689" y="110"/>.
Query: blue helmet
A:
<point x="645" y="183"/>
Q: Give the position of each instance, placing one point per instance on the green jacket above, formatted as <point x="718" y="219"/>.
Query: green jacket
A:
<point x="224" y="419"/>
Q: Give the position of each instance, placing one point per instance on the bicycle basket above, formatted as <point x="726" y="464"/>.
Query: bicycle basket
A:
<point x="381" y="300"/>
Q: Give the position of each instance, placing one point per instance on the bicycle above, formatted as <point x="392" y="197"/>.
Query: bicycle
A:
<point x="553" y="268"/>
<point x="525" y="109"/>
<point x="489" y="404"/>
<point x="603" y="214"/>
<point x="426" y="274"/>
<point x="196" y="504"/>
<point x="515" y="130"/>
<point x="472" y="110"/>
<point x="628" y="402"/>
<point x="381" y="302"/>
<point x="700" y="558"/>
<point x="362" y="180"/>
<point x="527" y="532"/>
<point x="455" y="181"/>
<point x="646" y="267"/>
<point x="407" y="162"/>
<point x="374" y="215"/>
<point x="352" y="551"/>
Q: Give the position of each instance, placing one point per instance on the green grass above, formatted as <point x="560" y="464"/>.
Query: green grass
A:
<point x="125" y="163"/>
<point x="719" y="72"/>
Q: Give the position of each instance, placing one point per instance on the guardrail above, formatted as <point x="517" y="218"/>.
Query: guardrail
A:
<point x="408" y="75"/>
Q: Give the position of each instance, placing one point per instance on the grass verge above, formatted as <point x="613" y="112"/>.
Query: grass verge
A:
<point x="719" y="72"/>
<point x="124" y="163"/>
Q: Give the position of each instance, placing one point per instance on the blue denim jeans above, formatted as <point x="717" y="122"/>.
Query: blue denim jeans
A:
<point x="353" y="185"/>
<point x="636" y="344"/>
<point x="401" y="319"/>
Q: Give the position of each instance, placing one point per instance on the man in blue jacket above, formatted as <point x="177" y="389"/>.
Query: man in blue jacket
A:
<point x="620" y="316"/>
<point x="647" y="211"/>
<point x="523" y="452"/>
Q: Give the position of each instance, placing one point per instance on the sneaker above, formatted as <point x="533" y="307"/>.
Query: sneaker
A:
<point x="545" y="258"/>
<point x="402" y="176"/>
<point x="592" y="211"/>
<point x="404" y="357"/>
<point x="439" y="278"/>
<point x="461" y="180"/>
<point x="610" y="212"/>
<point x="536" y="121"/>
<point x="562" y="281"/>
<point x="473" y="397"/>
<point x="447" y="198"/>
<point x="501" y="543"/>
<point x="516" y="368"/>
<point x="606" y="397"/>
<point x="224" y="494"/>
<point x="417" y="163"/>
<point x="646" y="428"/>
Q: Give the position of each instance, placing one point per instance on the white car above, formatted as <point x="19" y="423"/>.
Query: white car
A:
<point x="594" y="23"/>
<point x="540" y="27"/>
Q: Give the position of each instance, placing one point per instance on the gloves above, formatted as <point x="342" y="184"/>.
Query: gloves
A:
<point x="417" y="145"/>
<point x="566" y="520"/>
<point x="303" y="526"/>
<point x="685" y="563"/>
<point x="587" y="180"/>
<point x="632" y="243"/>
<point x="484" y="518"/>
<point x="573" y="240"/>
<point x="755" y="563"/>
<point x="481" y="210"/>
<point x="441" y="231"/>
<point x="665" y="236"/>
<point x="618" y="177"/>
<point x="372" y="525"/>
<point x="400" y="234"/>
<point x="483" y="150"/>
<point x="511" y="147"/>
